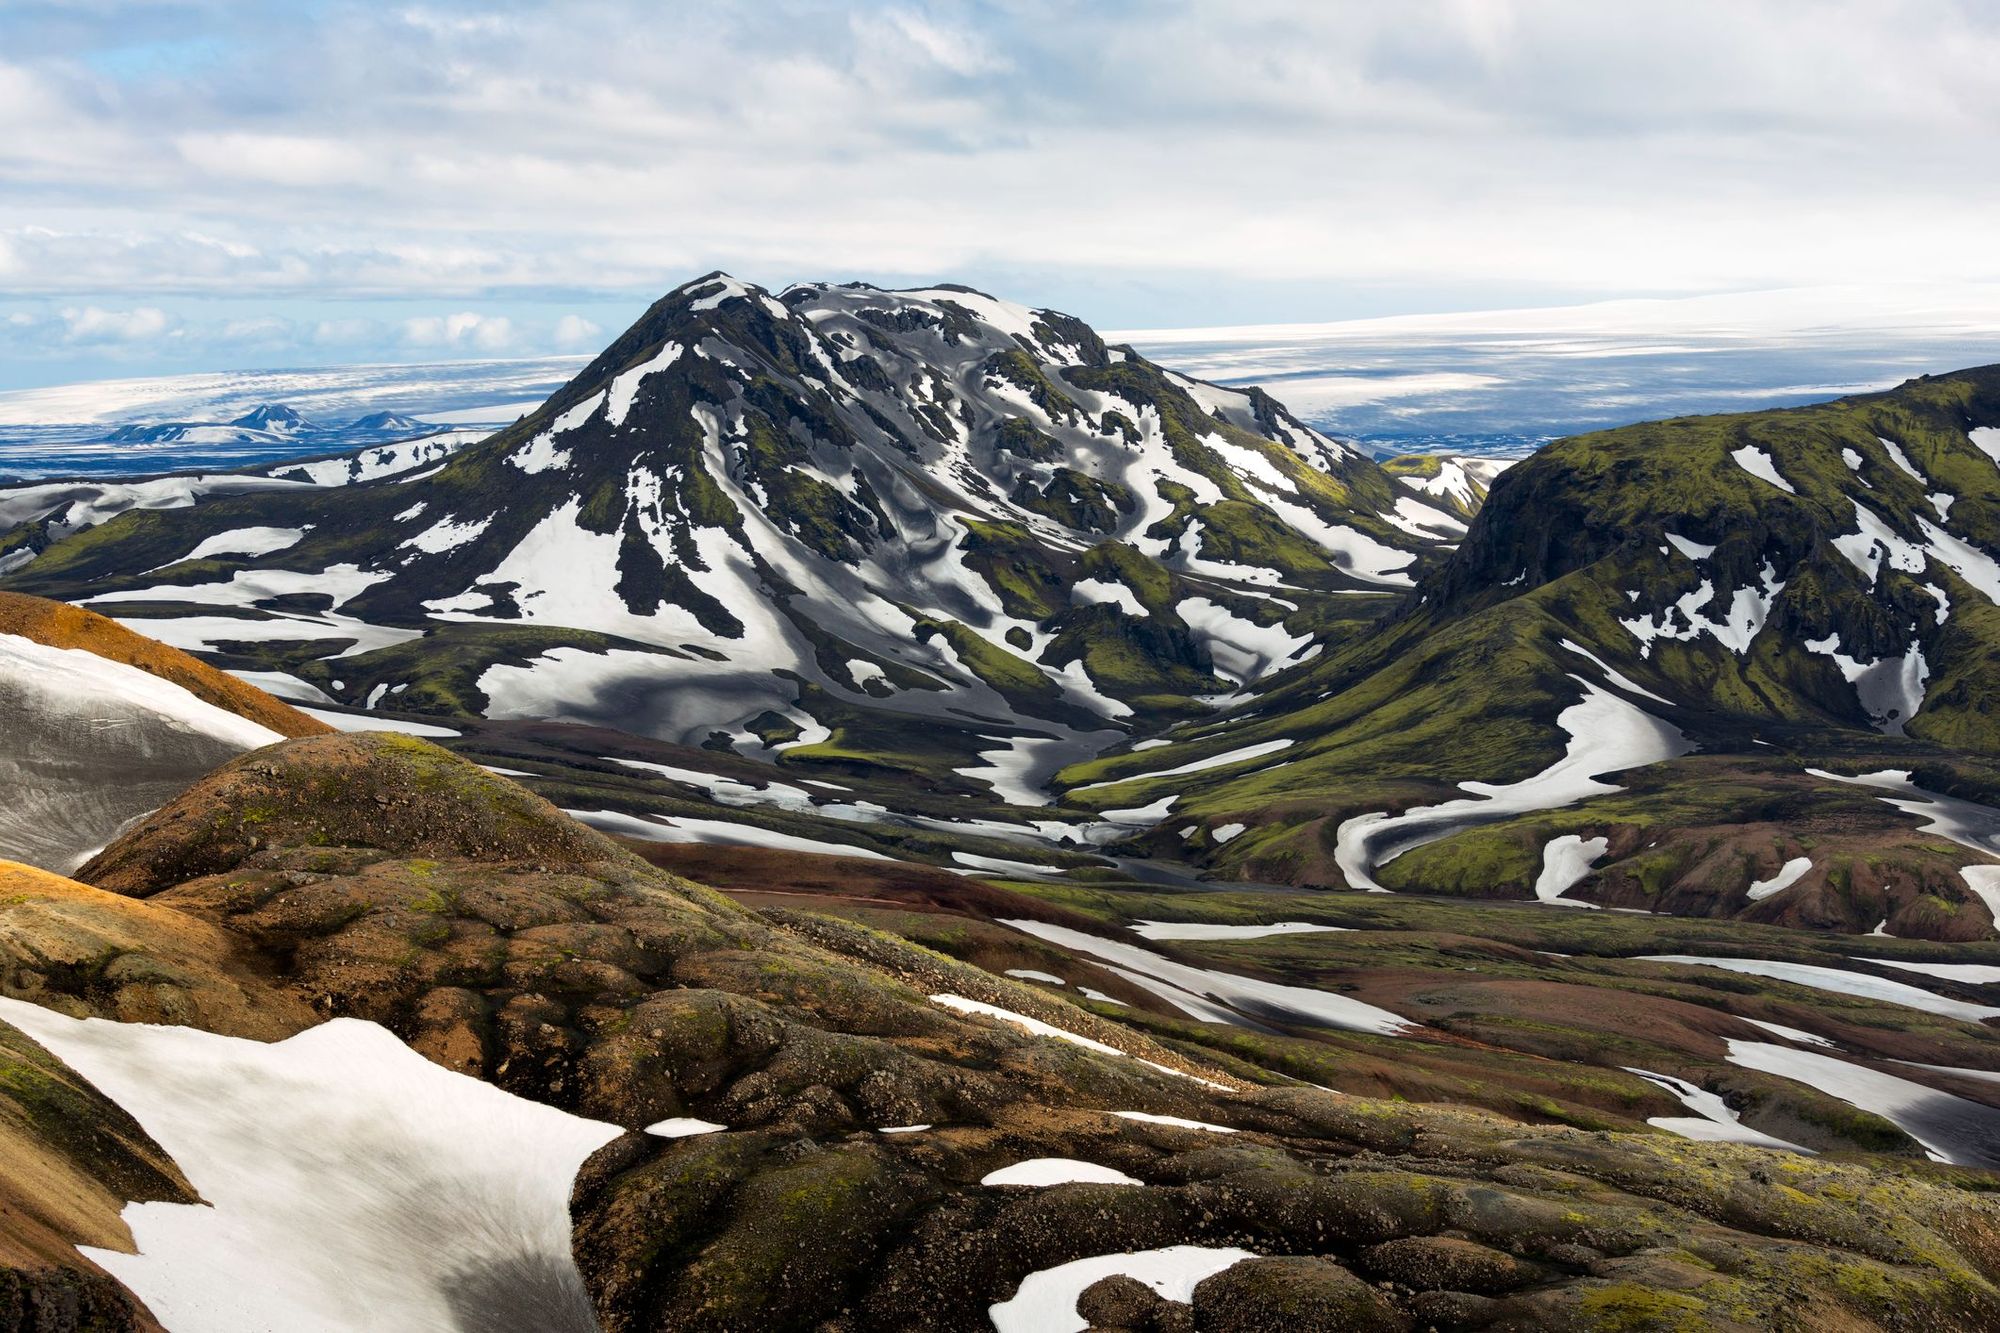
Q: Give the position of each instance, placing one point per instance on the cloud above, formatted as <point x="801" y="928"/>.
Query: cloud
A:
<point x="1188" y="152"/>
<point x="278" y="159"/>
<point x="91" y="324"/>
<point x="576" y="331"/>
<point x="488" y="333"/>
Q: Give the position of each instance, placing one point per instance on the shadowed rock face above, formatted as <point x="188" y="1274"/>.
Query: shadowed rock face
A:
<point x="511" y="944"/>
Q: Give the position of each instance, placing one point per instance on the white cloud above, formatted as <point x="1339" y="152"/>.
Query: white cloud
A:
<point x="91" y="324"/>
<point x="344" y="332"/>
<point x="464" y="329"/>
<point x="278" y="159"/>
<point x="576" y="331"/>
<point x="1565" y="147"/>
<point x="954" y="49"/>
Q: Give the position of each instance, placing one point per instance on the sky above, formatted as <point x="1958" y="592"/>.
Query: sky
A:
<point x="202" y="184"/>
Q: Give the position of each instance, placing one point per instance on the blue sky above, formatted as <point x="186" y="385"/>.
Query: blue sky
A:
<point x="197" y="184"/>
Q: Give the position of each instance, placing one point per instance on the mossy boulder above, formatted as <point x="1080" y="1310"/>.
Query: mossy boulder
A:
<point x="1286" y="1295"/>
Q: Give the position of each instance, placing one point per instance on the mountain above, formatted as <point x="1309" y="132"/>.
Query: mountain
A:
<point x="446" y="1058"/>
<point x="275" y="424"/>
<point x="866" y="530"/>
<point x="390" y="423"/>
<point x="275" y="418"/>
<point x="926" y="575"/>
<point x="1728" y="611"/>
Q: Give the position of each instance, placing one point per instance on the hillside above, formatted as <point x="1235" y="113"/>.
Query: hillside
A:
<point x="928" y="576"/>
<point x="788" y="1120"/>
<point x="861" y="529"/>
<point x="99" y="725"/>
<point x="1729" y="613"/>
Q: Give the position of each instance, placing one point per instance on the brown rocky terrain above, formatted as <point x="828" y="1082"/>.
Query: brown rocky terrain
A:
<point x="378" y="877"/>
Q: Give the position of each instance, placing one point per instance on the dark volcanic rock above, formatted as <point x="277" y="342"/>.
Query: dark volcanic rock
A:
<point x="1290" y="1295"/>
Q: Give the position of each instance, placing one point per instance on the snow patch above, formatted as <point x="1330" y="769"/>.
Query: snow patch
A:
<point x="347" y="1181"/>
<point x="684" y="1127"/>
<point x="1565" y="862"/>
<point x="1223" y="997"/>
<point x="1203" y="930"/>
<point x="1606" y="735"/>
<point x="1712" y="1122"/>
<point x="1789" y="874"/>
<point x="1693" y="550"/>
<point x="1759" y="465"/>
<point x="1951" y="1129"/>
<point x="1045" y="1302"/>
<point x="1838" y="981"/>
<point x="247" y="541"/>
<point x="1044" y="1171"/>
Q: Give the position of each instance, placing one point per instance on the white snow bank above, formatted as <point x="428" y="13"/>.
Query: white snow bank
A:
<point x="1243" y="998"/>
<point x="1612" y="674"/>
<point x="684" y="1127"/>
<point x="1607" y="735"/>
<point x="1236" y="756"/>
<point x="1693" y="550"/>
<point x="1057" y="1171"/>
<point x="1791" y="1034"/>
<point x="1789" y="874"/>
<point x="348" y="1182"/>
<point x="1712" y="1122"/>
<point x="357" y="722"/>
<point x="1889" y="689"/>
<point x="1735" y="625"/>
<point x="284" y="685"/>
<point x="1970" y="974"/>
<point x="1951" y="1129"/>
<point x="1758" y="464"/>
<point x="1840" y="982"/>
<point x="1045" y="1302"/>
<point x="718" y="832"/>
<point x="247" y="541"/>
<point x="1091" y="592"/>
<point x="69" y="679"/>
<point x="1202" y="930"/>
<point x="1035" y="1026"/>
<point x="1565" y="862"/>
<point x="1178" y="1122"/>
<point x="1000" y="865"/>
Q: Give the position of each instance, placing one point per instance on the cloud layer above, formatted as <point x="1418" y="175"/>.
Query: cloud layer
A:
<point x="1152" y="161"/>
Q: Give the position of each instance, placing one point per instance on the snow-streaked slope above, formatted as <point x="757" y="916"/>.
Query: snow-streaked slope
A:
<point x="1225" y="997"/>
<point x="1966" y="823"/>
<point x="1951" y="1129"/>
<point x="936" y="507"/>
<point x="1607" y="734"/>
<point x="1204" y="930"/>
<point x="73" y="506"/>
<point x="1713" y="1121"/>
<point x="87" y="743"/>
<point x="1841" y="982"/>
<point x="347" y="1182"/>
